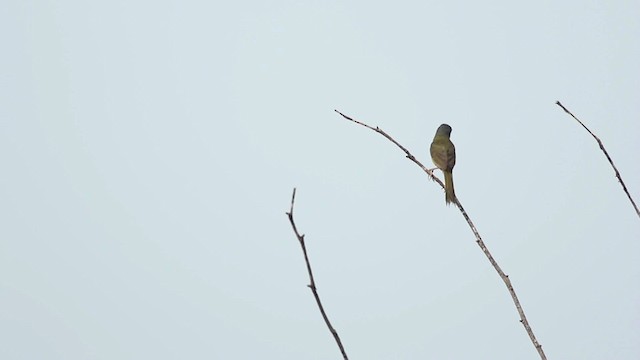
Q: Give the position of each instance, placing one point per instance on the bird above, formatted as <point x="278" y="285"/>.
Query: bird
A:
<point x="443" y="154"/>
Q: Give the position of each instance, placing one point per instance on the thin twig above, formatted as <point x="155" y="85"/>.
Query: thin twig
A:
<point x="483" y="247"/>
<point x="408" y="154"/>
<point x="312" y="284"/>
<point x="624" y="187"/>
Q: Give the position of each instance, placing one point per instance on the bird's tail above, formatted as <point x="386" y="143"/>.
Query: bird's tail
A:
<point x="450" y="194"/>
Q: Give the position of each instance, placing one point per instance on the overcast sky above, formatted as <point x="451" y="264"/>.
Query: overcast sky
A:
<point x="149" y="150"/>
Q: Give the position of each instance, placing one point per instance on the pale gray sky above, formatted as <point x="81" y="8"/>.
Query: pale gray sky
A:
<point x="149" y="150"/>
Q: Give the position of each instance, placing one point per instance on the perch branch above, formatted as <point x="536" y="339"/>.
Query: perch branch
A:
<point x="483" y="247"/>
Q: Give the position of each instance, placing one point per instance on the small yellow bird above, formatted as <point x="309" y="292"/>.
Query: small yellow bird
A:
<point x="443" y="154"/>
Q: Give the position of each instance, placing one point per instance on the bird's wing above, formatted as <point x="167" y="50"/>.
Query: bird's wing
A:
<point x="451" y="157"/>
<point x="439" y="155"/>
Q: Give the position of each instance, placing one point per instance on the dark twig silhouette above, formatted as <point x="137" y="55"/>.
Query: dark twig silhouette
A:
<point x="485" y="250"/>
<point x="312" y="283"/>
<point x="624" y="187"/>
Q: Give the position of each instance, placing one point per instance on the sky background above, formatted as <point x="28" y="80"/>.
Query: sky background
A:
<point x="149" y="150"/>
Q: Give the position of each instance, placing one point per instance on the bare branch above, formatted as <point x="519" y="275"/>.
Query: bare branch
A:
<point x="624" y="187"/>
<point x="312" y="284"/>
<point x="483" y="247"/>
<point x="408" y="154"/>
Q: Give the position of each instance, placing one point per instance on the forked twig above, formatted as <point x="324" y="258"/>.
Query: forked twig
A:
<point x="312" y="283"/>
<point x="483" y="247"/>
<point x="624" y="187"/>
